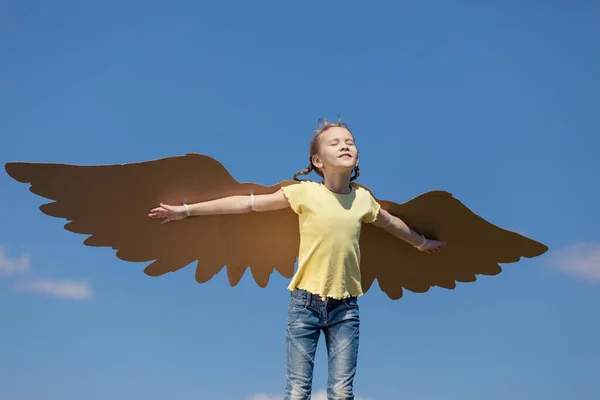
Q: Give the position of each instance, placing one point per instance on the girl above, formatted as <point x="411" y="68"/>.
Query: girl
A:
<point x="326" y="285"/>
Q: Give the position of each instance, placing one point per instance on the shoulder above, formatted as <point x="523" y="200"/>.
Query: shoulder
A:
<point x="297" y="192"/>
<point x="304" y="185"/>
<point x="362" y="191"/>
<point x="301" y="185"/>
<point x="369" y="204"/>
<point x="310" y="185"/>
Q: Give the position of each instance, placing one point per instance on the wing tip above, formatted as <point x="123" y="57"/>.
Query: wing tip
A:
<point x="539" y="250"/>
<point x="530" y="248"/>
<point x="14" y="170"/>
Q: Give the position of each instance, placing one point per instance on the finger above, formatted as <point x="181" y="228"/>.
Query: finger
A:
<point x="166" y="206"/>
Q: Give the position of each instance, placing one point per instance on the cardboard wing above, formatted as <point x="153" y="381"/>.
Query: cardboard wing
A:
<point x="110" y="204"/>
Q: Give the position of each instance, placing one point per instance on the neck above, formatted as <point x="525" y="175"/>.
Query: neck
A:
<point x="338" y="183"/>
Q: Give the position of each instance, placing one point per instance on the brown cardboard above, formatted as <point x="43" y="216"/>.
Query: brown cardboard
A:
<point x="110" y="203"/>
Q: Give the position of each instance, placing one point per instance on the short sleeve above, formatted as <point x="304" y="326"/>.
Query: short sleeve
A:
<point x="372" y="211"/>
<point x="295" y="194"/>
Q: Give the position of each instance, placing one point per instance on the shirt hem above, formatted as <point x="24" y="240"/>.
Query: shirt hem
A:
<point x="343" y="296"/>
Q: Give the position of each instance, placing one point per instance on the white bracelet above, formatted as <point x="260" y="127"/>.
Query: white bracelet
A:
<point x="422" y="244"/>
<point x="252" y="201"/>
<point x="187" y="209"/>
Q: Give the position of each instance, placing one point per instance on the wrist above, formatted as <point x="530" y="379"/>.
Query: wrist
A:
<point x="421" y="242"/>
<point x="185" y="210"/>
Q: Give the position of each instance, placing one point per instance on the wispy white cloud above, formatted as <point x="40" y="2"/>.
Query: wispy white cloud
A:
<point x="579" y="260"/>
<point x="262" y="396"/>
<point x="64" y="289"/>
<point x="321" y="395"/>
<point x="59" y="288"/>
<point x="10" y="266"/>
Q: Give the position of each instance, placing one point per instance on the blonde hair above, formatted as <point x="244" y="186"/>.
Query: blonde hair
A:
<point x="323" y="125"/>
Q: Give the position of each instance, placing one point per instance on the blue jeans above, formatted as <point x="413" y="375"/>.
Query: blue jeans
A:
<point x="308" y="314"/>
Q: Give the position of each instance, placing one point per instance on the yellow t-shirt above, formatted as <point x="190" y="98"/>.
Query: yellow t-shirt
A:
<point x="330" y="225"/>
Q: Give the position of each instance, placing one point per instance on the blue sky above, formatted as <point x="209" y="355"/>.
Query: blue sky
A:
<point x="496" y="103"/>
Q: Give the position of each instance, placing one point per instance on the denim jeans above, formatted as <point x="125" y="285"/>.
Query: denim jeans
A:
<point x="308" y="315"/>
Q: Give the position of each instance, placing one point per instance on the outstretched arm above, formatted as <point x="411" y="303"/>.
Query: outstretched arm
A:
<point x="398" y="228"/>
<point x="225" y="205"/>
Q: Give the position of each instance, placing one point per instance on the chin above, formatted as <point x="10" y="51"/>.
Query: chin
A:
<point x="350" y="163"/>
<point x="347" y="166"/>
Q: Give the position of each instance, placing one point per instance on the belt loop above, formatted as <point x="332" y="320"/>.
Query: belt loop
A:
<point x="308" y="298"/>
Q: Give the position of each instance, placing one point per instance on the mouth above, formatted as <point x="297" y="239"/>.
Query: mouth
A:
<point x="345" y="155"/>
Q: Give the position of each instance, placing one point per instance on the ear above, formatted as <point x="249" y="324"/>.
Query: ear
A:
<point x="317" y="161"/>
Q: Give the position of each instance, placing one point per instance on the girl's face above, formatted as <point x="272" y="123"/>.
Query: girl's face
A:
<point x="336" y="151"/>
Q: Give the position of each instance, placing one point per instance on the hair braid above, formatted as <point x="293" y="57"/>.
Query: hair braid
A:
<point x="305" y="171"/>
<point x="356" y="174"/>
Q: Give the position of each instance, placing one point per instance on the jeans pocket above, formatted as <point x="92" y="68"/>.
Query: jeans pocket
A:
<point x="295" y="310"/>
<point x="351" y="303"/>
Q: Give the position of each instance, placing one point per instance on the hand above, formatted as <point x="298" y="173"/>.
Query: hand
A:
<point x="168" y="213"/>
<point x="431" y="246"/>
